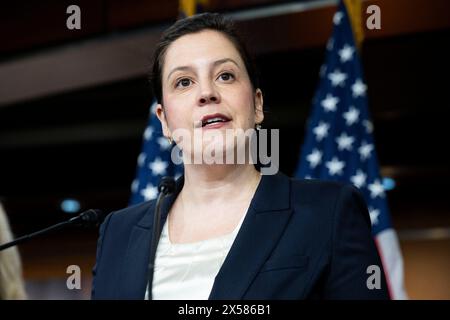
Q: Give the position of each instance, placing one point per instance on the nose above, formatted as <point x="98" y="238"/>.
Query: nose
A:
<point x="208" y="94"/>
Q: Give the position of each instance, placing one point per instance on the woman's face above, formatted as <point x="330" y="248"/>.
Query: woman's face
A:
<point x="204" y="77"/>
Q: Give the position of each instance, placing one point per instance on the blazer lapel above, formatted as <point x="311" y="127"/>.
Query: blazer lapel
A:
<point x="135" y="264"/>
<point x="266" y="219"/>
<point x="133" y="282"/>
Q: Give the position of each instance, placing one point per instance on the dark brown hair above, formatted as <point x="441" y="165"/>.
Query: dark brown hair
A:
<point x="194" y="24"/>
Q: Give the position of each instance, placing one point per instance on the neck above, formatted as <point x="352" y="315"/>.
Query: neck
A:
<point x="206" y="184"/>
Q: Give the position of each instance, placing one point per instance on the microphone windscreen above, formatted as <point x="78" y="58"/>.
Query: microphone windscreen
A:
<point x="92" y="217"/>
<point x="167" y="185"/>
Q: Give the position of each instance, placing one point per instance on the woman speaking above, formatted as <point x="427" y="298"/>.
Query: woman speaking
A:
<point x="228" y="231"/>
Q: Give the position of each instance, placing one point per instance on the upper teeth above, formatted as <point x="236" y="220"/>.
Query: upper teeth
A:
<point x="210" y="120"/>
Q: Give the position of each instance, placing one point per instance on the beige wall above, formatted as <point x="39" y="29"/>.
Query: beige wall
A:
<point x="427" y="268"/>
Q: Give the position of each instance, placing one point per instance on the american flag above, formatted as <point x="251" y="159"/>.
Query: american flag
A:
<point x="153" y="162"/>
<point x="339" y="142"/>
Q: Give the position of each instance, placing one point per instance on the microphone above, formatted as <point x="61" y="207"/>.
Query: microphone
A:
<point x="91" y="217"/>
<point x="166" y="186"/>
<point x="88" y="218"/>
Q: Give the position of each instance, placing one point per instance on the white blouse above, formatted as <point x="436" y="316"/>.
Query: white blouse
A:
<point x="186" y="271"/>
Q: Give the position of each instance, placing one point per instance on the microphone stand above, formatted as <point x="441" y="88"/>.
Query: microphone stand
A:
<point x="166" y="187"/>
<point x="88" y="217"/>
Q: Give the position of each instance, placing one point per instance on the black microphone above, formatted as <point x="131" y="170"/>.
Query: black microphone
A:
<point x="88" y="218"/>
<point x="91" y="217"/>
<point x="166" y="187"/>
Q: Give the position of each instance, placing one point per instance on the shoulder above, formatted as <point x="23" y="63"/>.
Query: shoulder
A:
<point x="321" y="190"/>
<point x="129" y="216"/>
<point x="314" y="186"/>
<point x="118" y="225"/>
<point x="327" y="198"/>
<point x="325" y="194"/>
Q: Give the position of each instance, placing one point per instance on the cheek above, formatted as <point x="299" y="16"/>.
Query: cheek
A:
<point x="172" y="118"/>
<point x="177" y="115"/>
<point x="244" y="106"/>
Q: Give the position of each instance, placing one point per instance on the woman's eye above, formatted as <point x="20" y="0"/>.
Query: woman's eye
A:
<point x="185" y="82"/>
<point x="226" y="76"/>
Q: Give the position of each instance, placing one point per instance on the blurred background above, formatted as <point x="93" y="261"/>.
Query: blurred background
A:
<point x="75" y="103"/>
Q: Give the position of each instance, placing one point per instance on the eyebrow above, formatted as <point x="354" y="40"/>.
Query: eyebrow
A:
<point x="215" y="63"/>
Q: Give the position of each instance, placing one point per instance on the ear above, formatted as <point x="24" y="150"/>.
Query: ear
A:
<point x="259" y="102"/>
<point x="162" y="118"/>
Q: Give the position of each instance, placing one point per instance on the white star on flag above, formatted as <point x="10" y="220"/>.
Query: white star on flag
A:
<point x="321" y="131"/>
<point x="314" y="158"/>
<point x="141" y="159"/>
<point x="150" y="192"/>
<point x="330" y="102"/>
<point x="344" y="142"/>
<point x="158" y="166"/>
<point x="337" y="17"/>
<point x="374" y="213"/>
<point x="337" y="78"/>
<point x="163" y="143"/>
<point x="335" y="166"/>
<point x="148" y="133"/>
<point x="346" y="53"/>
<point x="359" y="88"/>
<point x="351" y="116"/>
<point x="135" y="185"/>
<point x="359" y="179"/>
<point x="153" y="108"/>
<point x="368" y="125"/>
<point x="376" y="189"/>
<point x="364" y="150"/>
<point x="330" y="44"/>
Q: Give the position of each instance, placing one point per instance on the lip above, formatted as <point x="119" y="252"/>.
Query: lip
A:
<point x="214" y="125"/>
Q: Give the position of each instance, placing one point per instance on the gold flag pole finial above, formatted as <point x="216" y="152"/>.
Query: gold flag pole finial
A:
<point x="354" y="12"/>
<point x="189" y="7"/>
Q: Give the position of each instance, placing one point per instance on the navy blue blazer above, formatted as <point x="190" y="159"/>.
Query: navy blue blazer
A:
<point x="300" y="239"/>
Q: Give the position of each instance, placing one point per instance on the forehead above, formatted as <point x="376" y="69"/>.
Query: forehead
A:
<point x="199" y="48"/>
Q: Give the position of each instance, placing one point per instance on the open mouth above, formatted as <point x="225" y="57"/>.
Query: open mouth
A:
<point x="214" y="120"/>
